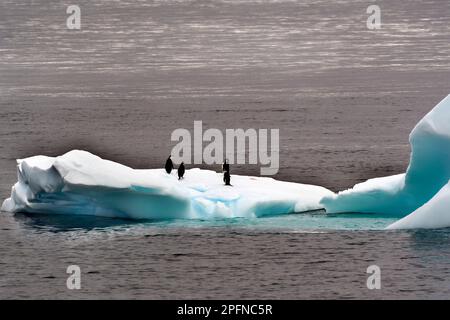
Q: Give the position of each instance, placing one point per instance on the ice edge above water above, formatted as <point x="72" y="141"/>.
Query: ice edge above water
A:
<point x="79" y="182"/>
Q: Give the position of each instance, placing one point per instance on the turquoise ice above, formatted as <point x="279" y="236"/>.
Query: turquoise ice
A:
<point x="427" y="174"/>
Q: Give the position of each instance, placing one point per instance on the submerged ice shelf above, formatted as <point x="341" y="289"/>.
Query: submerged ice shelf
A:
<point x="79" y="182"/>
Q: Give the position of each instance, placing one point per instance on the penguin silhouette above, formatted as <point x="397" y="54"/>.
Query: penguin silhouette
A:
<point x="169" y="165"/>
<point x="227" y="178"/>
<point x="181" y="171"/>
<point x="225" y="166"/>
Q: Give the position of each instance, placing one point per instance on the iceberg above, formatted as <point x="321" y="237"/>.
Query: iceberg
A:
<point x="427" y="174"/>
<point x="433" y="214"/>
<point x="79" y="182"/>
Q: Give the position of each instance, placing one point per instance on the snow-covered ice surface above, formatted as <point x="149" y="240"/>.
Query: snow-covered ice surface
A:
<point x="418" y="191"/>
<point x="79" y="182"/>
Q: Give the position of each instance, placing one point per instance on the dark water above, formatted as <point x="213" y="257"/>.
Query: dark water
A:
<point x="345" y="99"/>
<point x="164" y="260"/>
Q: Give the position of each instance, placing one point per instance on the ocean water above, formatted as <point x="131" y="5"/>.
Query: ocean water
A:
<point x="267" y="258"/>
<point x="344" y="98"/>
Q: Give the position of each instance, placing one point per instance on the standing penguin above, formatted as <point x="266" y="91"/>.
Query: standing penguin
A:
<point x="225" y="166"/>
<point x="181" y="171"/>
<point x="169" y="165"/>
<point x="227" y="178"/>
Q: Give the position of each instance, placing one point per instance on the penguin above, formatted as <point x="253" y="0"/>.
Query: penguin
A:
<point x="169" y="165"/>
<point x="181" y="171"/>
<point x="225" y="166"/>
<point x="227" y="178"/>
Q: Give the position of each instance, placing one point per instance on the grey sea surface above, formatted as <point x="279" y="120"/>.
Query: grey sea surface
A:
<point x="344" y="97"/>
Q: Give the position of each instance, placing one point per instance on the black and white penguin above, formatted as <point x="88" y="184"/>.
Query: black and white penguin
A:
<point x="169" y="165"/>
<point x="181" y="171"/>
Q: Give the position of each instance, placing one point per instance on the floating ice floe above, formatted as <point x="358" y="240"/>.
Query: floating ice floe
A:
<point x="79" y="182"/>
<point x="420" y="192"/>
